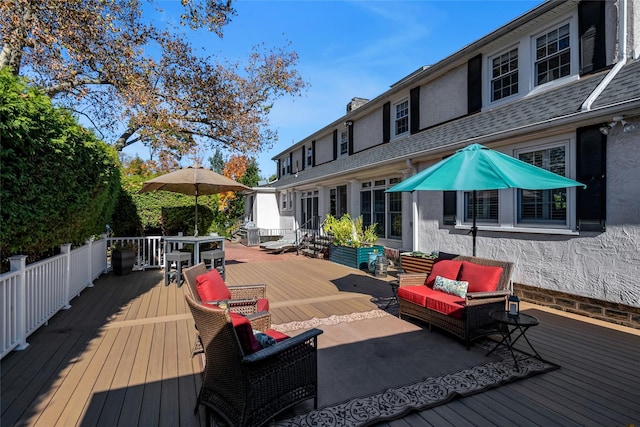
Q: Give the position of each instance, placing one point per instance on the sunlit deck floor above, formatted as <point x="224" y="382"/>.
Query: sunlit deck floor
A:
<point x="121" y="356"/>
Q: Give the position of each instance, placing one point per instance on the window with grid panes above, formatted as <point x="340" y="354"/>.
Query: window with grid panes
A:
<point x="382" y="209"/>
<point x="402" y="117"/>
<point x="544" y="206"/>
<point x="486" y="206"/>
<point x="504" y="75"/>
<point x="394" y="224"/>
<point x="553" y="55"/>
<point x="344" y="142"/>
<point x="309" y="156"/>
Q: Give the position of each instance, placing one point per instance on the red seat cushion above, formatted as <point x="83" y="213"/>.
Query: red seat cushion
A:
<point x="244" y="331"/>
<point x="263" y="305"/>
<point x="451" y="305"/>
<point x="414" y="294"/>
<point x="481" y="278"/>
<point x="211" y="287"/>
<point x="446" y="268"/>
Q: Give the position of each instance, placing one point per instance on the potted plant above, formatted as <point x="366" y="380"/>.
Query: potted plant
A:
<point x="123" y="257"/>
<point x="352" y="241"/>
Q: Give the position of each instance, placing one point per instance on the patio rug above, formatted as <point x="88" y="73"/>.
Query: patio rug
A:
<point x="396" y="367"/>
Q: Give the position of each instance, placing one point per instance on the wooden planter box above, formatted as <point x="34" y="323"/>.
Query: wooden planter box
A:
<point x="353" y="257"/>
<point x="412" y="264"/>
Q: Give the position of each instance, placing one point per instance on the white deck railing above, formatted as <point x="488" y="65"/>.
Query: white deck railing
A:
<point x="31" y="294"/>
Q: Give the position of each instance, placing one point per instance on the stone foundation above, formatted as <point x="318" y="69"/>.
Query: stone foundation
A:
<point x="603" y="310"/>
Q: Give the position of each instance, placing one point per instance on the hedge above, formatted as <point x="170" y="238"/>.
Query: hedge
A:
<point x="59" y="182"/>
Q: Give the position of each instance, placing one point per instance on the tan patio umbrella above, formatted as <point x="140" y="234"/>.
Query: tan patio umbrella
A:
<point x="194" y="181"/>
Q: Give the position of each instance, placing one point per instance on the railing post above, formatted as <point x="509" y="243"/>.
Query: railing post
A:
<point x="104" y="259"/>
<point x="19" y="263"/>
<point x="90" y="278"/>
<point x="66" y="250"/>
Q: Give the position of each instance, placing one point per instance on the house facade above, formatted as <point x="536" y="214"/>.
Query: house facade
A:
<point x="558" y="87"/>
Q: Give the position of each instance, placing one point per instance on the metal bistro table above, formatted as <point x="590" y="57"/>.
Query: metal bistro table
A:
<point x="509" y="325"/>
<point x="196" y="241"/>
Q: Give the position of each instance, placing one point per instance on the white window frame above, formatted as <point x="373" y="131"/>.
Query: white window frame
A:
<point x="574" y="47"/>
<point x="396" y="108"/>
<point x="310" y="156"/>
<point x="517" y="73"/>
<point x="343" y="143"/>
<point x="508" y="199"/>
<point x="382" y="184"/>
<point x="526" y="63"/>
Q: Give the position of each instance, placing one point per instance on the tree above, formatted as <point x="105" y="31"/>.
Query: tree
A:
<point x="217" y="162"/>
<point x="136" y="82"/>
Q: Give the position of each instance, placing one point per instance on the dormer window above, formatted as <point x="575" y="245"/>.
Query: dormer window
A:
<point x="401" y="117"/>
<point x="286" y="165"/>
<point x="504" y="75"/>
<point x="309" y="156"/>
<point x="344" y="142"/>
<point x="553" y="55"/>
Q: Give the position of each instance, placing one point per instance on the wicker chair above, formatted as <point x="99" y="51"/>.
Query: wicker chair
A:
<point x="249" y="390"/>
<point x="244" y="300"/>
<point x="475" y="321"/>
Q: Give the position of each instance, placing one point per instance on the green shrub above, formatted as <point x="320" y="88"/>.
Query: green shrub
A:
<point x="59" y="182"/>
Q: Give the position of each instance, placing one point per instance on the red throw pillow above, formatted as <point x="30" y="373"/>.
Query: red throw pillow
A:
<point x="211" y="287"/>
<point x="244" y="331"/>
<point x="481" y="278"/>
<point x="446" y="268"/>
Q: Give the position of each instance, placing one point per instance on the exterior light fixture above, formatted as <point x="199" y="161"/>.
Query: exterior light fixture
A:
<point x="348" y="123"/>
<point x="627" y="127"/>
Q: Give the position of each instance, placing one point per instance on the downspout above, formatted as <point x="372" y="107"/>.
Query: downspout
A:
<point x="414" y="209"/>
<point x="622" y="57"/>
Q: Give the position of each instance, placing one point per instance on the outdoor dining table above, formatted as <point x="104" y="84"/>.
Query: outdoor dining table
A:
<point x="196" y="241"/>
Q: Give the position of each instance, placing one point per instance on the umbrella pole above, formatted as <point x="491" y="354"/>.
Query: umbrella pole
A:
<point x="196" y="228"/>
<point x="474" y="229"/>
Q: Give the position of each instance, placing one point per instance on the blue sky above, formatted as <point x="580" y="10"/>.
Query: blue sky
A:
<point x="347" y="49"/>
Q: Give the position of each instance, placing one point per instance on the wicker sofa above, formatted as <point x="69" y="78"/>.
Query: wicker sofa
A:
<point x="468" y="317"/>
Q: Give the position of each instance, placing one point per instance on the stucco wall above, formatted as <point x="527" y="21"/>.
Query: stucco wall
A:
<point x="265" y="210"/>
<point x="367" y="131"/>
<point x="444" y="99"/>
<point x="324" y="149"/>
<point x="604" y="266"/>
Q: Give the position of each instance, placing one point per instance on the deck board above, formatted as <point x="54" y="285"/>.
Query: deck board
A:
<point x="121" y="356"/>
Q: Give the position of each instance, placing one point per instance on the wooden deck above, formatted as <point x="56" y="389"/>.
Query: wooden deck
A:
<point x="121" y="356"/>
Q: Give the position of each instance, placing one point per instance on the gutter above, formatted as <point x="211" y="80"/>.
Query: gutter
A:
<point x="622" y="57"/>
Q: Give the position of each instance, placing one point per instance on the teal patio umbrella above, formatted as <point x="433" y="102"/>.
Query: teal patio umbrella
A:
<point x="476" y="168"/>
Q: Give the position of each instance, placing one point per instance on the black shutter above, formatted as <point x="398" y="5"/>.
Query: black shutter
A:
<point x="591" y="170"/>
<point x="279" y="166"/>
<point x="304" y="157"/>
<point x="386" y="122"/>
<point x="449" y="207"/>
<point x="290" y="171"/>
<point x="414" y="110"/>
<point x="474" y="84"/>
<point x="313" y="152"/>
<point x="350" y="138"/>
<point x="335" y="144"/>
<point x="591" y="28"/>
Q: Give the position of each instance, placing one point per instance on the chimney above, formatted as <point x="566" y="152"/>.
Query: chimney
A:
<point x="356" y="103"/>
